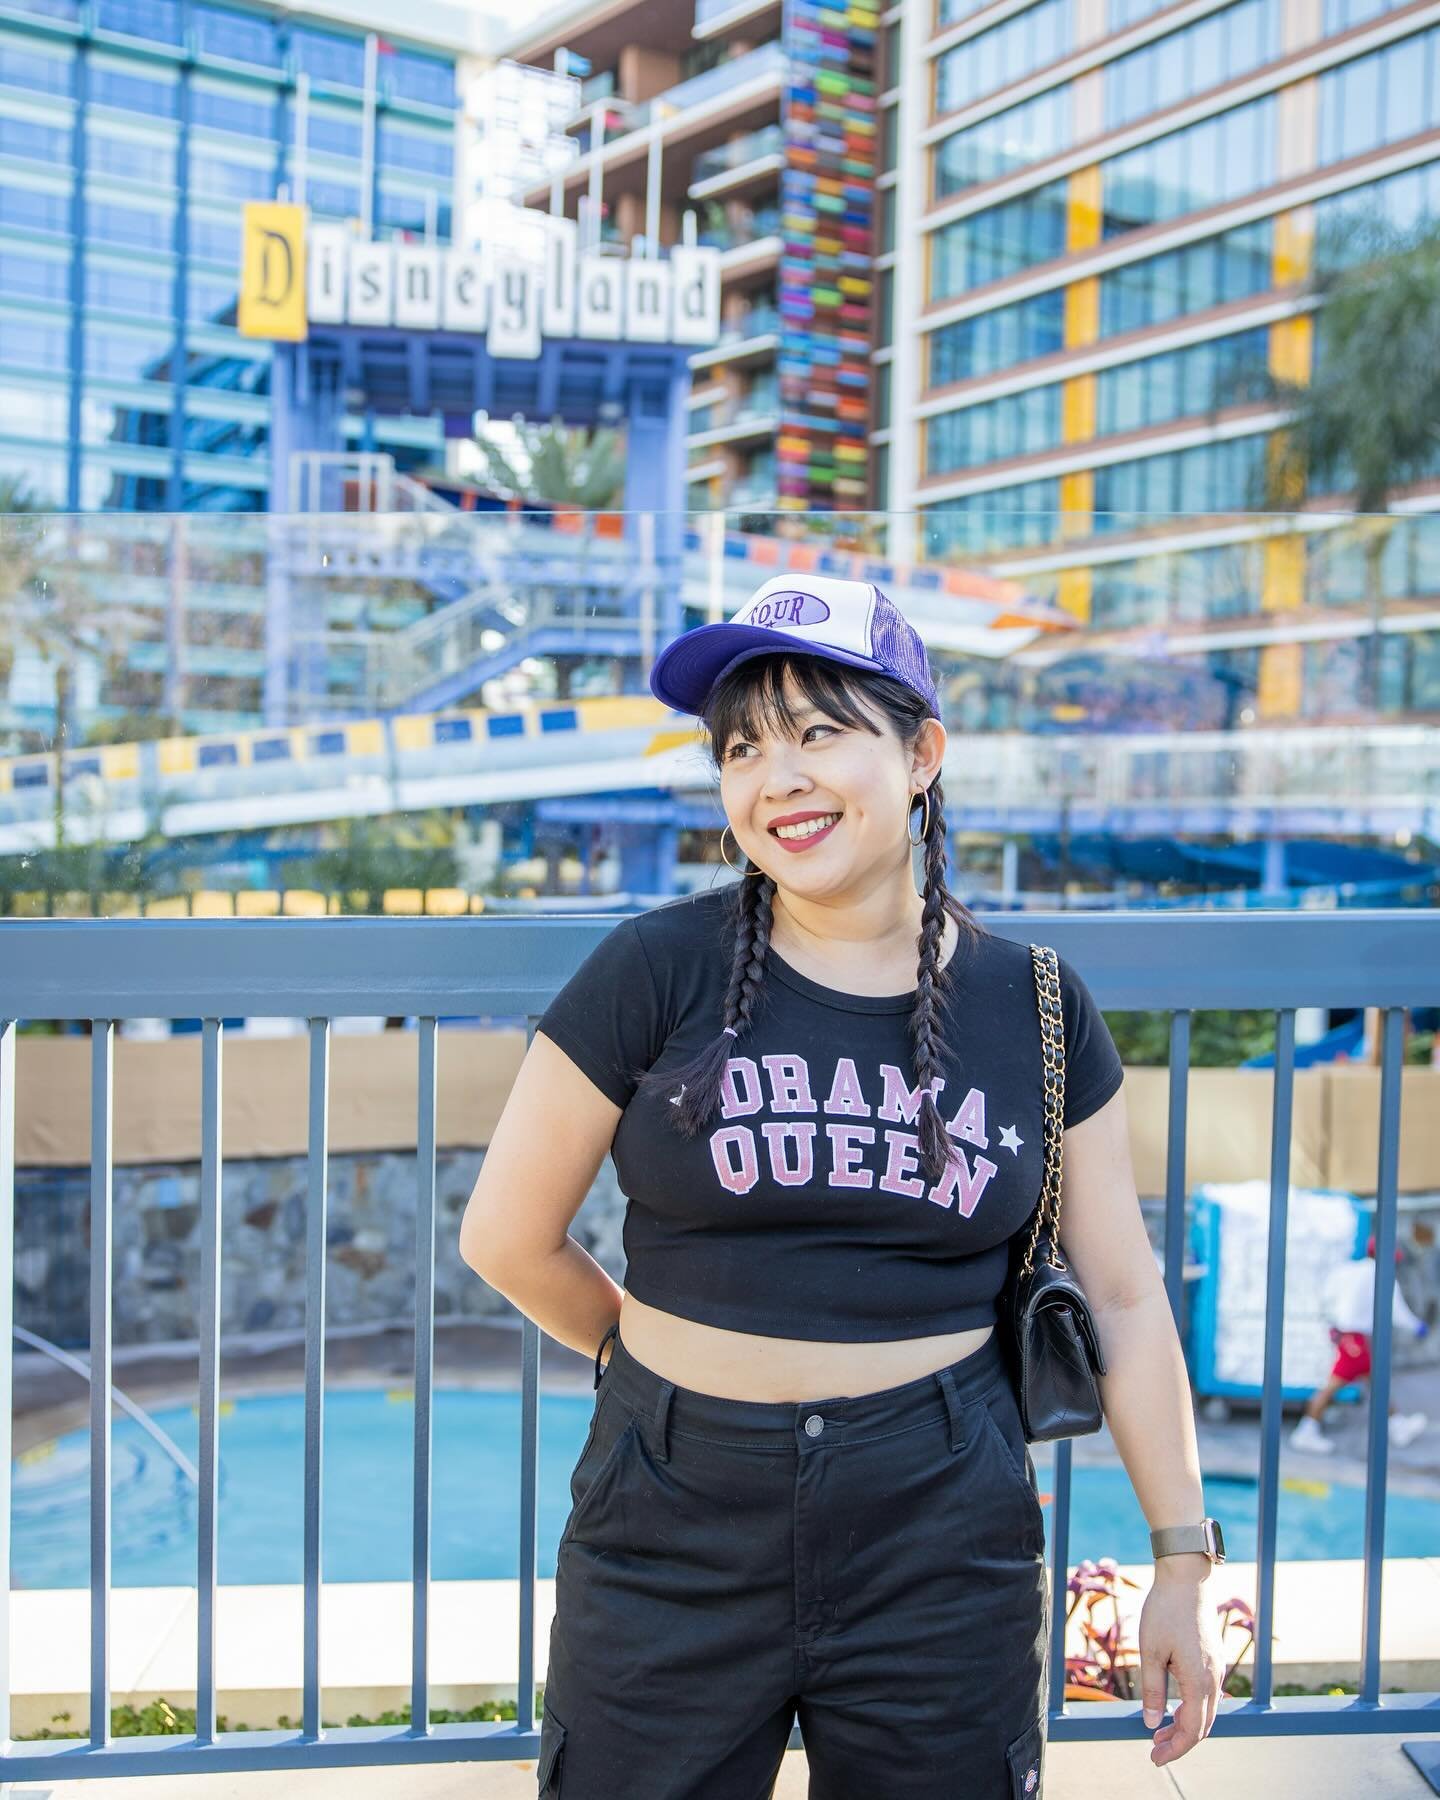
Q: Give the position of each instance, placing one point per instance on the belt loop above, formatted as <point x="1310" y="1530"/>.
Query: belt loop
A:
<point x="954" y="1406"/>
<point x="613" y="1332"/>
<point x="660" y="1424"/>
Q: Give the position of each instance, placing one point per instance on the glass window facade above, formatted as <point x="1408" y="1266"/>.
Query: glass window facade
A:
<point x="1120" y="13"/>
<point x="1219" y="582"/>
<point x="1213" y="50"/>
<point x="1012" y="139"/>
<point x="1003" y="519"/>
<point x="1185" y="171"/>
<point x="128" y="288"/>
<point x="327" y="57"/>
<point x="1380" y="98"/>
<point x="34" y="209"/>
<point x="1340" y="15"/>
<point x="1232" y="265"/>
<point x="235" y="36"/>
<point x="144" y="161"/>
<point x="44" y="70"/>
<point x="173" y="404"/>
<point x="157" y="20"/>
<point x="999" y="339"/>
<point x="29" y="139"/>
<point x="246" y="112"/>
<point x="1182" y="384"/>
<point x="951" y="12"/>
<point x="991" y="60"/>
<point x="1013" y="425"/>
<point x="428" y="80"/>
<point x="1207" y="478"/>
<point x="27" y="273"/>
<point x="1402" y="200"/>
<point x="152" y="96"/>
<point x="999" y="241"/>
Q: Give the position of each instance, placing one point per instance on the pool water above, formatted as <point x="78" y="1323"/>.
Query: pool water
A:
<point x="366" y="1498"/>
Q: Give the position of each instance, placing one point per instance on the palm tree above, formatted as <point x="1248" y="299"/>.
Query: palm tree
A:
<point x="1368" y="420"/>
<point x="564" y="466"/>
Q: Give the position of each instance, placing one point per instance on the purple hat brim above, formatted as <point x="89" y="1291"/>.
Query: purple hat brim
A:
<point x="685" y="671"/>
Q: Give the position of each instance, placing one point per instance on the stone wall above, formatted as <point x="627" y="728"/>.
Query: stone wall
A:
<point x="370" y="1270"/>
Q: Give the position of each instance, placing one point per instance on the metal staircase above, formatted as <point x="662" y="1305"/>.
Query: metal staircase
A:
<point x="510" y="588"/>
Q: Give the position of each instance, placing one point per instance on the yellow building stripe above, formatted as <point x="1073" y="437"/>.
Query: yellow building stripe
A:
<point x="1292" y="247"/>
<point x="1077" y="409"/>
<point x="1073" y="593"/>
<point x="1292" y="349"/>
<point x="1082" y="312"/>
<point x="1082" y="209"/>
<point x="1077" y="503"/>
<point x="1283" y="577"/>
<point x="1278" y="689"/>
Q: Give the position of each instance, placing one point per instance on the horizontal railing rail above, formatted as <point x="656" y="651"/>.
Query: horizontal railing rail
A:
<point x="320" y="970"/>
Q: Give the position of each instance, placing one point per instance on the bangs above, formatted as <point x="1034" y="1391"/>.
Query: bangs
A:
<point x="751" y="702"/>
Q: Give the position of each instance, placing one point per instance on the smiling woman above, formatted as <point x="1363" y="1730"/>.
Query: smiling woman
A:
<point x="824" y="1095"/>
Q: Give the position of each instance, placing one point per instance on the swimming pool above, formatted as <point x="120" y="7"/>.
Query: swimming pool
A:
<point x="366" y="1500"/>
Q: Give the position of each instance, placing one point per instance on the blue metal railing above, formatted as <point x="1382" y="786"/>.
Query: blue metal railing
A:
<point x="109" y="970"/>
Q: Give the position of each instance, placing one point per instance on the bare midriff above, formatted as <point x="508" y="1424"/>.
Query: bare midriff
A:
<point x="737" y="1365"/>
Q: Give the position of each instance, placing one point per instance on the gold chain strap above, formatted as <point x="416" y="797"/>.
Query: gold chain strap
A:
<point x="1052" y="1044"/>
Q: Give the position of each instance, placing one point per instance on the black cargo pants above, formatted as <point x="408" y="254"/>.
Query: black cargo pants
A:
<point x="875" y="1564"/>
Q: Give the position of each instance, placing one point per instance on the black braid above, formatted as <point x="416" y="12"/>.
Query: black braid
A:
<point x="933" y="986"/>
<point x="698" y="1083"/>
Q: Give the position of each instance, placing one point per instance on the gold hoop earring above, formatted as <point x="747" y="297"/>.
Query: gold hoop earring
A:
<point x="726" y="860"/>
<point x="924" y="794"/>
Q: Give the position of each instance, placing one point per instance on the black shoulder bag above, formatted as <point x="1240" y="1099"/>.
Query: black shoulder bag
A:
<point x="1047" y="1331"/>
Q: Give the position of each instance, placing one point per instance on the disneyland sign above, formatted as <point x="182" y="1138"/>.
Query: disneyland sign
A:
<point x="294" y="277"/>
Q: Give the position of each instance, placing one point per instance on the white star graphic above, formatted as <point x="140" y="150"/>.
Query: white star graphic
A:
<point x="675" y="1098"/>
<point x="1010" y="1141"/>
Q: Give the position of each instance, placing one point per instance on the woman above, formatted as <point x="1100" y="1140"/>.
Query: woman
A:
<point x="806" y="1485"/>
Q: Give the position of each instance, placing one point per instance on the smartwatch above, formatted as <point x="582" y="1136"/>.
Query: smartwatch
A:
<point x="1173" y="1540"/>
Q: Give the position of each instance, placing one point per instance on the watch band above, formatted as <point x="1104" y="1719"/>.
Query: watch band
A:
<point x="1175" y="1540"/>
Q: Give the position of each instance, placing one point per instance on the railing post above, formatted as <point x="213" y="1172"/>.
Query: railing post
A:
<point x="102" y="1082"/>
<point x="1270" y="1401"/>
<point x="424" y="1379"/>
<point x="315" y="1252"/>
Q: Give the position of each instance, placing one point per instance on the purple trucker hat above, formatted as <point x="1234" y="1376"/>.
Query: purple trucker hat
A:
<point x="817" y="615"/>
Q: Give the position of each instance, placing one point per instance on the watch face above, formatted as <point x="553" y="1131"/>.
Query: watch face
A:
<point x="1219" y="1538"/>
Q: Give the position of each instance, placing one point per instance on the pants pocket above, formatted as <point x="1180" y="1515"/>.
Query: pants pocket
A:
<point x="594" y="1473"/>
<point x="1026" y="1760"/>
<point x="1000" y="1421"/>
<point x="552" y="1754"/>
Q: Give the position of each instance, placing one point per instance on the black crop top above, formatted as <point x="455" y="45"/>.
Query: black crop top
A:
<point x="800" y="1211"/>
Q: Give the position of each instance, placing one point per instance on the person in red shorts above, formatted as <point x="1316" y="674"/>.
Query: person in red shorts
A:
<point x="1350" y="1306"/>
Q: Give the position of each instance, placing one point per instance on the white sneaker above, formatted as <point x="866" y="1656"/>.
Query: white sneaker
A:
<point x="1308" y="1435"/>
<point x="1405" y="1428"/>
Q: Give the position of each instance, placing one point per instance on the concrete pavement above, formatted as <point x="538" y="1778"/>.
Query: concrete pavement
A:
<point x="1294" y="1768"/>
